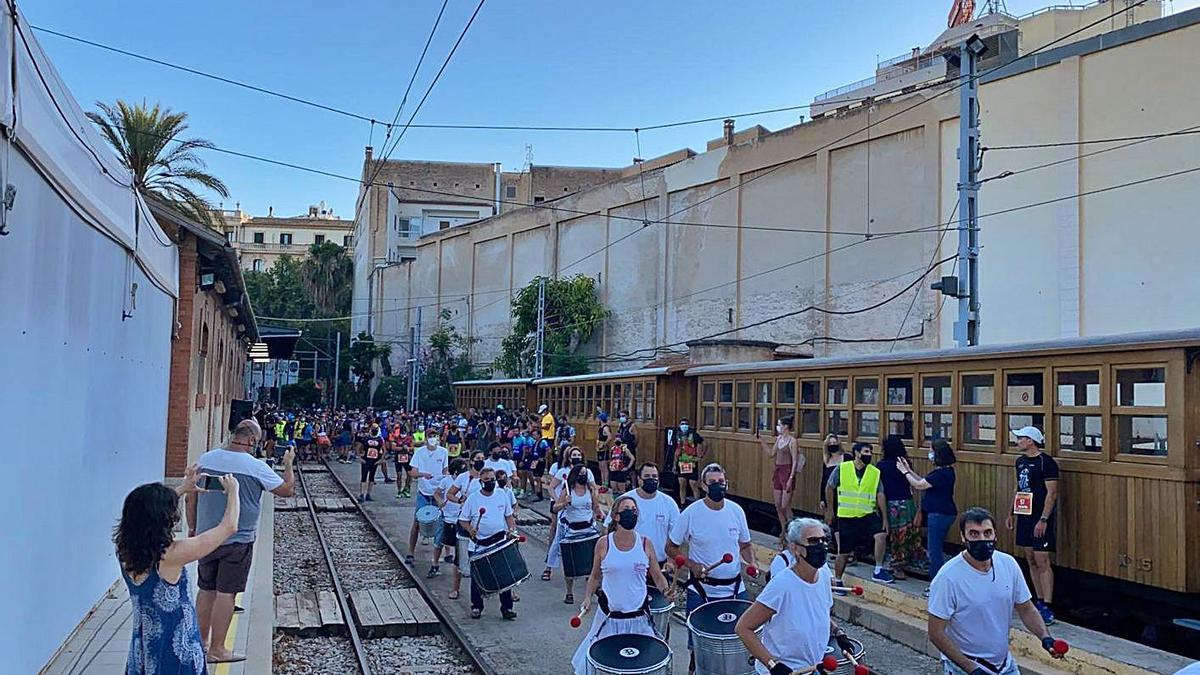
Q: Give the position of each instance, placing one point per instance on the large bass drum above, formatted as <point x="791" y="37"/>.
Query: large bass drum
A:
<point x="498" y="567"/>
<point x="629" y="655"/>
<point x="578" y="551"/>
<point x="715" y="644"/>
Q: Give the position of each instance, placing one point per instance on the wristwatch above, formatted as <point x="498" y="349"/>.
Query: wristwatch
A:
<point x="1043" y="519"/>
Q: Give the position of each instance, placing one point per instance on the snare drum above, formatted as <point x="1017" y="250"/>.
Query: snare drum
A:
<point x="629" y="655"/>
<point x="660" y="613"/>
<point x="715" y="644"/>
<point x="858" y="652"/>
<point x="429" y="519"/>
<point x="578" y="552"/>
<point x="498" y="567"/>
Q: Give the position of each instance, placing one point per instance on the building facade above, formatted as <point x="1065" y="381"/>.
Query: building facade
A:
<point x="827" y="235"/>
<point x="215" y="329"/>
<point x="261" y="240"/>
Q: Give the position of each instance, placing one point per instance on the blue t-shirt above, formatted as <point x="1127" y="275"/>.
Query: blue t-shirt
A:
<point x="939" y="498"/>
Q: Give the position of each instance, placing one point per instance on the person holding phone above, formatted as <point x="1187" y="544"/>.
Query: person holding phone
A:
<point x="165" y="635"/>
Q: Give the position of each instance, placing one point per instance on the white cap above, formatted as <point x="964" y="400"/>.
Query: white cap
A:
<point x="1032" y="433"/>
<point x="543" y="408"/>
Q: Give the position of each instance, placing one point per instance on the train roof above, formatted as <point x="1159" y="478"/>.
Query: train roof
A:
<point x="639" y="372"/>
<point x="1148" y="339"/>
<point x="519" y="380"/>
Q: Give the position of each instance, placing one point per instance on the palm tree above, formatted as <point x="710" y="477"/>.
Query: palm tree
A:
<point x="329" y="273"/>
<point x="148" y="142"/>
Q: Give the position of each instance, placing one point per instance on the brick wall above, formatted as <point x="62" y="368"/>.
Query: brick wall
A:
<point x="179" y="405"/>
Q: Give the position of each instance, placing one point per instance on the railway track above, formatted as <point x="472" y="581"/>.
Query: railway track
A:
<point x="339" y="554"/>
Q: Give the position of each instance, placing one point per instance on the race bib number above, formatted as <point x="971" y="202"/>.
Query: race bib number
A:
<point x="372" y="453"/>
<point x="686" y="467"/>
<point x="1023" y="504"/>
<point x="614" y="465"/>
<point x="402" y="458"/>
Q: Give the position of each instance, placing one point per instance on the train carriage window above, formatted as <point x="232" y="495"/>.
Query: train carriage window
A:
<point x="978" y="390"/>
<point x="900" y="423"/>
<point x="650" y="402"/>
<point x="835" y="393"/>
<point x="627" y="396"/>
<point x="937" y="419"/>
<point x="709" y="419"/>
<point x="866" y="391"/>
<point x="808" y="419"/>
<point x="763" y="410"/>
<point x="900" y="395"/>
<point x="839" y="423"/>
<point x="785" y="392"/>
<point x="742" y="404"/>
<point x="708" y="392"/>
<point x="726" y="392"/>
<point x="725" y="405"/>
<point x="810" y="392"/>
<point x="899" y="391"/>
<point x="979" y="429"/>
<point x="1018" y="420"/>
<point x="1140" y="414"/>
<point x="708" y="405"/>
<point x="866" y="397"/>
<point x="978" y="421"/>
<point x="639" y="406"/>
<point x="937" y="425"/>
<point x="1023" y="389"/>
<point x="935" y="390"/>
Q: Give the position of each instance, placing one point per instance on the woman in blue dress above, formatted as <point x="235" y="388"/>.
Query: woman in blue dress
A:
<point x="166" y="635"/>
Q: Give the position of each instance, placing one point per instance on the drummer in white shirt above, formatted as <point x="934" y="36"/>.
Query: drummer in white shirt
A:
<point x="657" y="513"/>
<point x="573" y="456"/>
<point x="487" y="516"/>
<point x="576" y="509"/>
<point x="429" y="463"/>
<point x="712" y="527"/>
<point x="450" y="511"/>
<point x="794" y="608"/>
<point x="624" y="559"/>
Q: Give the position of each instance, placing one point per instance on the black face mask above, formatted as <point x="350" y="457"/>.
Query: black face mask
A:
<point x="865" y="459"/>
<point x="581" y="480"/>
<point x="489" y="485"/>
<point x="847" y="457"/>
<point x="576" y="461"/>
<point x="716" y="491"/>
<point x="816" y="554"/>
<point x="981" y="550"/>
<point x="495" y="455"/>
<point x="627" y="519"/>
<point x="650" y="485"/>
<point x="832" y="448"/>
<point x="502" y="482"/>
<point x="478" y="465"/>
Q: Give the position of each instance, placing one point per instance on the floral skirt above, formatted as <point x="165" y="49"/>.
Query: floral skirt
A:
<point x="904" y="537"/>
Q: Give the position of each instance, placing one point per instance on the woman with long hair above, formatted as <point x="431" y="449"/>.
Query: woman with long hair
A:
<point x="904" y="534"/>
<point x="166" y="632"/>
<point x="576" y="511"/>
<point x="788" y="462"/>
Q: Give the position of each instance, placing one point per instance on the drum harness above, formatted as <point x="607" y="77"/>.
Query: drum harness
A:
<point x="695" y="583"/>
<point x="602" y="602"/>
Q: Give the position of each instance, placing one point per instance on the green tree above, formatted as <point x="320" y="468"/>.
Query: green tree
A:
<point x="573" y="311"/>
<point x="363" y="355"/>
<point x="329" y="274"/>
<point x="444" y="362"/>
<point x="301" y="395"/>
<point x="163" y="164"/>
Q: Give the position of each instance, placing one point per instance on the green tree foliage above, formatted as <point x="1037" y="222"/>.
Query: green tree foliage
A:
<point x="363" y="355"/>
<point x="444" y="362"/>
<point x="391" y="394"/>
<point x="301" y="395"/>
<point x="573" y="312"/>
<point x="148" y="142"/>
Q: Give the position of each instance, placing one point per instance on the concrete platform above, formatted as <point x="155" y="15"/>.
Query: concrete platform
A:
<point x="99" y="645"/>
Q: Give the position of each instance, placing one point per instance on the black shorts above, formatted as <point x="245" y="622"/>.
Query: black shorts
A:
<point x="404" y="467"/>
<point x="1025" y="538"/>
<point x="226" y="569"/>
<point x="539" y="468"/>
<point x="858" y="533"/>
<point x="618" y="476"/>
<point x="367" y="472"/>
<point x="449" y="534"/>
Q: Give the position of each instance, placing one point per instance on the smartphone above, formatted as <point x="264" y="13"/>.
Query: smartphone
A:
<point x="211" y="482"/>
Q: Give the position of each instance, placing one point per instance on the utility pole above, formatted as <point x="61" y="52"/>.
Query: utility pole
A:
<point x="416" y="379"/>
<point x="337" y="367"/>
<point x="965" y="286"/>
<point x="539" y="357"/>
<point x="412" y="362"/>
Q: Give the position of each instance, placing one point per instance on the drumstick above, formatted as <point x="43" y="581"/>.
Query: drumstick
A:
<point x="856" y="590"/>
<point x="859" y="668"/>
<point x="577" y="620"/>
<point x="829" y="663"/>
<point x="482" y="510"/>
<point x="680" y="565"/>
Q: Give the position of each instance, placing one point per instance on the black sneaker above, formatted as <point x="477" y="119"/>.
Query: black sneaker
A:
<point x="433" y="572"/>
<point x="508" y="614"/>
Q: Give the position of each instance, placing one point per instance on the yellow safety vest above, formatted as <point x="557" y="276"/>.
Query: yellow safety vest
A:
<point x="279" y="429"/>
<point x="856" y="498"/>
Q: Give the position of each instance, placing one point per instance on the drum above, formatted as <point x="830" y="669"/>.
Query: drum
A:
<point x="629" y="655"/>
<point x="858" y="652"/>
<point x="660" y="613"/>
<point x="498" y="567"/>
<point x="462" y="555"/>
<point x="578" y="551"/>
<point x="717" y="648"/>
<point x="429" y="519"/>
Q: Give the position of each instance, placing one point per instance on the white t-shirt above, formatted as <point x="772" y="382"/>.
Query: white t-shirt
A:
<point x="799" y="632"/>
<point x="978" y="606"/>
<point x="451" y="510"/>
<point x="498" y="507"/>
<point x="710" y="535"/>
<point x="467" y="484"/>
<point x="656" y="517"/>
<point x="506" y="465"/>
<point x="432" y="462"/>
<point x="780" y="563"/>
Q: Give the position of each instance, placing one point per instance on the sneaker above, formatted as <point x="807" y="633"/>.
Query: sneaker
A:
<point x="369" y="498"/>
<point x="883" y="577"/>
<point x="839" y="587"/>
<point x="408" y="560"/>
<point x="449" y="559"/>
<point x="362" y="498"/>
<point x="475" y="612"/>
<point x="433" y="572"/>
<point x="388" y="480"/>
<point x="508" y="615"/>
<point x="1047" y="615"/>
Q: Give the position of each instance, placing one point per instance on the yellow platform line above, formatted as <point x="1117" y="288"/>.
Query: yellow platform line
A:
<point x="230" y="641"/>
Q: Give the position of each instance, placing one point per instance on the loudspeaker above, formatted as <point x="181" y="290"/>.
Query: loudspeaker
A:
<point x="239" y="410"/>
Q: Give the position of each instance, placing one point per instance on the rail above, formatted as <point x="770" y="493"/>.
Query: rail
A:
<point x="472" y="653"/>
<point x="360" y="651"/>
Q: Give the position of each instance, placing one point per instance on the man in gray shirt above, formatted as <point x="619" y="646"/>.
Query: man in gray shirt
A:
<point x="222" y="574"/>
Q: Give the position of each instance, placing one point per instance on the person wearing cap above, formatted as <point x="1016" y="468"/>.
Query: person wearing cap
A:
<point x="548" y="423"/>
<point x="1032" y="514"/>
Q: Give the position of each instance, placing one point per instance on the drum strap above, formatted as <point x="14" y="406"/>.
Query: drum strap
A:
<point x="488" y="541"/>
<point x="988" y="665"/>
<point x="602" y="601"/>
<point x="736" y="582"/>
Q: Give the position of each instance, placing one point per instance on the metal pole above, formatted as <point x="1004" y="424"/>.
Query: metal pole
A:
<point x="966" y="328"/>
<point x="539" y="365"/>
<point x="337" y="368"/>
<point x="417" y="363"/>
<point x="278" y="387"/>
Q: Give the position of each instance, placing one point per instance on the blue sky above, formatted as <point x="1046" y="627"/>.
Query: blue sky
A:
<point x="564" y="62"/>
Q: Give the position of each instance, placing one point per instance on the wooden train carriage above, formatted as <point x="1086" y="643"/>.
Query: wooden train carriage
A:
<point x="655" y="397"/>
<point x="485" y="395"/>
<point x="1121" y="415"/>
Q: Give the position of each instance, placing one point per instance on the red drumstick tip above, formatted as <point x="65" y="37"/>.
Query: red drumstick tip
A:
<point x="680" y="561"/>
<point x="857" y="590"/>
<point x="482" y="510"/>
<point x="727" y="558"/>
<point x="829" y="663"/>
<point x="576" y="622"/>
<point x="861" y="669"/>
<point x="521" y="539"/>
<point x="752" y="571"/>
<point x="1061" y="647"/>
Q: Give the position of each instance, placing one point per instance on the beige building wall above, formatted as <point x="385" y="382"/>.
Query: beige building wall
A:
<point x="262" y="240"/>
<point x="792" y="233"/>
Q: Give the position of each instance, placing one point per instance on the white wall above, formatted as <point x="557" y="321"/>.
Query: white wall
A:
<point x="84" y="401"/>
